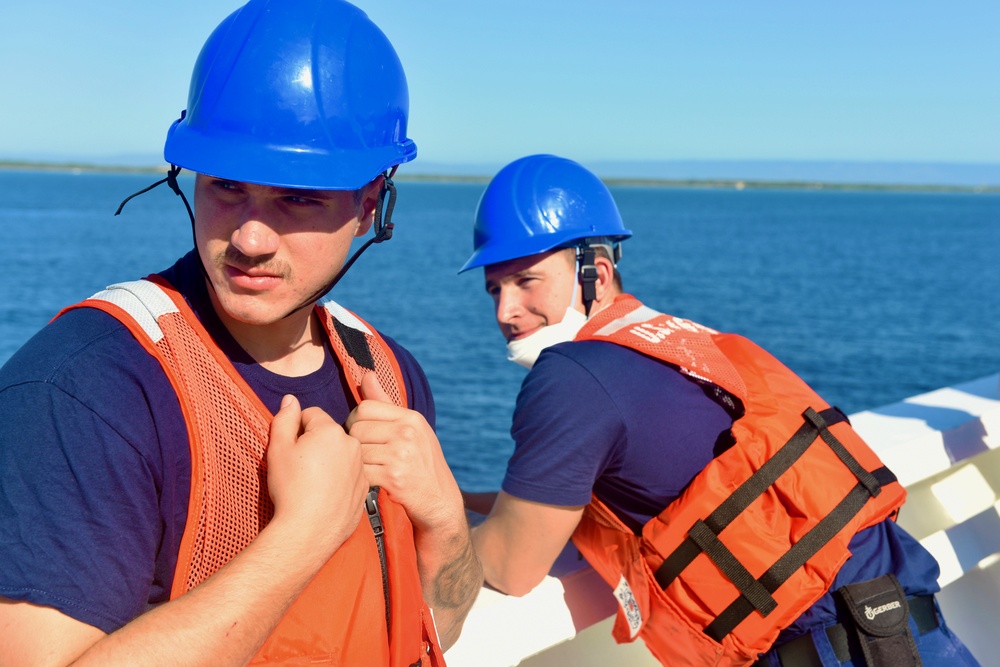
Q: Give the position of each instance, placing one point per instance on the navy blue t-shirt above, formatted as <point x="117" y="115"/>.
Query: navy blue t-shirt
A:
<point x="95" y="462"/>
<point x="597" y="416"/>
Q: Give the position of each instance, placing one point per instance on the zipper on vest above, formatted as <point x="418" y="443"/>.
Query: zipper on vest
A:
<point x="375" y="518"/>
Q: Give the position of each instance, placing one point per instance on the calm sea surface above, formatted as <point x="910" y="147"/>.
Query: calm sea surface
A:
<point x="871" y="297"/>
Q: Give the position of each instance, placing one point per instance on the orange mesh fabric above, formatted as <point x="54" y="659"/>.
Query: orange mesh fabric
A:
<point x="227" y="427"/>
<point x="232" y="433"/>
<point x="338" y="619"/>
<point x="381" y="360"/>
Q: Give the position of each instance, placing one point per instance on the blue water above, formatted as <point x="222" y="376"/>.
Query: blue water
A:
<point x="870" y="296"/>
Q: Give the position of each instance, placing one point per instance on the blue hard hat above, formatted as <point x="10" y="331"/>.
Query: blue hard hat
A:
<point x="539" y="203"/>
<point x="295" y="93"/>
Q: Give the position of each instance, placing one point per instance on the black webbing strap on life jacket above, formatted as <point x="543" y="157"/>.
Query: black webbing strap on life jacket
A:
<point x="755" y="593"/>
<point x="356" y="344"/>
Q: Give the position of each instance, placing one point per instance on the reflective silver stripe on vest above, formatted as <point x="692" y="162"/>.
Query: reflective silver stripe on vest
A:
<point x="143" y="300"/>
<point x="344" y="316"/>
<point x="637" y="316"/>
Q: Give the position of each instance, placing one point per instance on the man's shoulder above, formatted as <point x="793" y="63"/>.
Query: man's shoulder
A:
<point x="402" y="354"/>
<point x="578" y="373"/>
<point x="80" y="341"/>
<point x="614" y="372"/>
<point x="598" y="356"/>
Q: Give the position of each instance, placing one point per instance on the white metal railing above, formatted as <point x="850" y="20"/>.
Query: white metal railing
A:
<point x="945" y="448"/>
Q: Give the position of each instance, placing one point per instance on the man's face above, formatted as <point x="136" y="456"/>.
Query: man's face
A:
<point x="268" y="249"/>
<point x="532" y="292"/>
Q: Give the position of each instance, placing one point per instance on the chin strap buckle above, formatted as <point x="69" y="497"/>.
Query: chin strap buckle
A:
<point x="588" y="276"/>
<point x="383" y="231"/>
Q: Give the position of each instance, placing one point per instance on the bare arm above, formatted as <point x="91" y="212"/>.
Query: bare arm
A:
<point x="316" y="481"/>
<point x="450" y="574"/>
<point x="520" y="540"/>
<point x="403" y="456"/>
<point x="34" y="635"/>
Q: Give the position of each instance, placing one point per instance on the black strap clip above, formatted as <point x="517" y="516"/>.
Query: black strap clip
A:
<point x="588" y="276"/>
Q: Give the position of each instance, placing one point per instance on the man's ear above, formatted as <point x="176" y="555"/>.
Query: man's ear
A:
<point x="605" y="276"/>
<point x="367" y="202"/>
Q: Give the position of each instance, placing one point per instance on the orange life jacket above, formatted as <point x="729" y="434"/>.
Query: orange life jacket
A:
<point x="760" y="533"/>
<point x="365" y="606"/>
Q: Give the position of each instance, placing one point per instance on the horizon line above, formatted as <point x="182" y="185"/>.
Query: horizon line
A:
<point x="705" y="182"/>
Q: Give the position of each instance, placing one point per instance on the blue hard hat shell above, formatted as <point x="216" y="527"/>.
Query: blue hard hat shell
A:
<point x="539" y="203"/>
<point x="295" y="93"/>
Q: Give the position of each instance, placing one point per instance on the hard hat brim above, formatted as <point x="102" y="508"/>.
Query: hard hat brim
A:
<point x="233" y="158"/>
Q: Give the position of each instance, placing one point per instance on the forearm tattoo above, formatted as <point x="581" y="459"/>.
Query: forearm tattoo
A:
<point x="458" y="581"/>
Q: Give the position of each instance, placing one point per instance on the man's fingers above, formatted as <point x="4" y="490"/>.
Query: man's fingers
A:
<point x="372" y="389"/>
<point x="376" y="432"/>
<point x="314" y="418"/>
<point x="285" y="425"/>
<point x="375" y="454"/>
<point x="375" y="475"/>
<point x="379" y="473"/>
<point x="375" y="404"/>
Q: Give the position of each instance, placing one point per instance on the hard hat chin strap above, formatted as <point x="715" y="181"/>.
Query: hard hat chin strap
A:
<point x="171" y="181"/>
<point x="588" y="276"/>
<point x="383" y="232"/>
<point x="383" y="229"/>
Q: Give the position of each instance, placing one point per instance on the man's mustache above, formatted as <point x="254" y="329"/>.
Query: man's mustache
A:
<point x="233" y="257"/>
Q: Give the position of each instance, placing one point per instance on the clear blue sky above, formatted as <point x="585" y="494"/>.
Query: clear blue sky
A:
<point x="611" y="80"/>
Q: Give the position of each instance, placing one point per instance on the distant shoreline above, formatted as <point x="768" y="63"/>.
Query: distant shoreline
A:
<point x="721" y="184"/>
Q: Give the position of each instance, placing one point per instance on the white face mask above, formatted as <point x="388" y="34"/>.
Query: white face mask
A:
<point x="525" y="351"/>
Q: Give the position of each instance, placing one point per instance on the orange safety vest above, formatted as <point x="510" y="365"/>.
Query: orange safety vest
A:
<point x="760" y="533"/>
<point x="365" y="606"/>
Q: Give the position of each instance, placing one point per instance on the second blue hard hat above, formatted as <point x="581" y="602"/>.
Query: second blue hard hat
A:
<point x="539" y="203"/>
<point x="295" y="93"/>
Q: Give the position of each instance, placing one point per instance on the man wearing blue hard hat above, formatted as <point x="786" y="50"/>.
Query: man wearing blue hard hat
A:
<point x="738" y="518"/>
<point x="216" y="465"/>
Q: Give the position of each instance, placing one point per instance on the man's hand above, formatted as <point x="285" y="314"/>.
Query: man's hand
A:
<point x="315" y="475"/>
<point x="317" y="482"/>
<point x="402" y="454"/>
